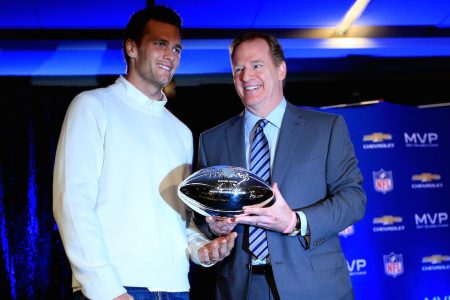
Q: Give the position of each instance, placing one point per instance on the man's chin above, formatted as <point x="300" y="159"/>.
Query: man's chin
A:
<point x="165" y="81"/>
<point x="251" y="100"/>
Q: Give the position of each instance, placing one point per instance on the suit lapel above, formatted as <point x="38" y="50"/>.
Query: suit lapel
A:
<point x="235" y="140"/>
<point x="288" y="141"/>
<point x="236" y="143"/>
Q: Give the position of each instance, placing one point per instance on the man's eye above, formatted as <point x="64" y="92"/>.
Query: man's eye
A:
<point x="159" y="44"/>
<point x="177" y="50"/>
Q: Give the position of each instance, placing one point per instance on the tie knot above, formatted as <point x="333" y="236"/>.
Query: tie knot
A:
<point x="261" y="124"/>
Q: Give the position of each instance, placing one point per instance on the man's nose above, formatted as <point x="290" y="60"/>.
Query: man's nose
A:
<point x="246" y="74"/>
<point x="169" y="55"/>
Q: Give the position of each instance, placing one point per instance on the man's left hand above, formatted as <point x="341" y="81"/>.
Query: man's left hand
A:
<point x="275" y="217"/>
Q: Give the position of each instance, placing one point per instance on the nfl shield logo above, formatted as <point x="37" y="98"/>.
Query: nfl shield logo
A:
<point x="393" y="264"/>
<point x="382" y="181"/>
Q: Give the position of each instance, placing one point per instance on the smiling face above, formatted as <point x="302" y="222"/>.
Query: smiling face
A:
<point x="154" y="60"/>
<point x="257" y="79"/>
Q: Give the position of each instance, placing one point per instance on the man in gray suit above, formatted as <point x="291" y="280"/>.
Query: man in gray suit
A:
<point x="314" y="175"/>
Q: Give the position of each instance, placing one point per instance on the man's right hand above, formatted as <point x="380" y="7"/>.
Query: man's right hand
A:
<point x="221" y="225"/>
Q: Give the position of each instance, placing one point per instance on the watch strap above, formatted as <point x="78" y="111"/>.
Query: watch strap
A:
<point x="297" y="227"/>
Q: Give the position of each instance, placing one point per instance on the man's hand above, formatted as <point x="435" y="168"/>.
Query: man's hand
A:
<point x="275" y="217"/>
<point x="221" y="225"/>
<point x="217" y="249"/>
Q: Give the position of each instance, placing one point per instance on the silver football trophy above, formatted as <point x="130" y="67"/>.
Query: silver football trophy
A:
<point x="224" y="190"/>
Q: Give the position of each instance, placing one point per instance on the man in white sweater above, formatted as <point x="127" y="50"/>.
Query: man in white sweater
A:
<point x="121" y="156"/>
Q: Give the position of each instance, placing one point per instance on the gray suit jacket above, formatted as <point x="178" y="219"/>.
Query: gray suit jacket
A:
<point x="316" y="171"/>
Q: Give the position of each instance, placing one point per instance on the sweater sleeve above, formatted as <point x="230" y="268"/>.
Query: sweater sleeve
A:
<point x="78" y="165"/>
<point x="196" y="240"/>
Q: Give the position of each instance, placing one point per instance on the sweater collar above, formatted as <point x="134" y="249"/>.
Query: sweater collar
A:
<point x="136" y="97"/>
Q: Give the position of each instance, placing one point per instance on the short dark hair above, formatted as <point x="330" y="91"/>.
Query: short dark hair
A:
<point x="136" y="25"/>
<point x="274" y="45"/>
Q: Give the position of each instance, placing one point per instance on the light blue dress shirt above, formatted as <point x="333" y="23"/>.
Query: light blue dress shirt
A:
<point x="272" y="132"/>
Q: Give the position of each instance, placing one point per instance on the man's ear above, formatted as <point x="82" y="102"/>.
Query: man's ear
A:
<point x="130" y="48"/>
<point x="282" y="71"/>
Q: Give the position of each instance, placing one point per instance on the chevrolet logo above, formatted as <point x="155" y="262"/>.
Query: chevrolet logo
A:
<point x="387" y="220"/>
<point x="435" y="259"/>
<point x="426" y="177"/>
<point x="377" y="137"/>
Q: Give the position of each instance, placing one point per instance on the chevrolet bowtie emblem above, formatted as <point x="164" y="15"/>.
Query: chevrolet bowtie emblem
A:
<point x="436" y="258"/>
<point x="387" y="220"/>
<point x="426" y="177"/>
<point x="377" y="137"/>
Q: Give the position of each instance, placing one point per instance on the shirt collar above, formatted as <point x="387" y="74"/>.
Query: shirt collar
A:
<point x="138" y="98"/>
<point x="275" y="117"/>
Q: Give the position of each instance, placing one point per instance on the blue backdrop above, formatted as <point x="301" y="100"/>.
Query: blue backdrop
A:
<point x="401" y="248"/>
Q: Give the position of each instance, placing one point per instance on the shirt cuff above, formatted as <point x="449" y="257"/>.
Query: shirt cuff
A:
<point x="194" y="246"/>
<point x="303" y="223"/>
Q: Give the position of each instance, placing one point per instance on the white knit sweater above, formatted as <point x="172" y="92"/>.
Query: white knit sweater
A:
<point x="119" y="161"/>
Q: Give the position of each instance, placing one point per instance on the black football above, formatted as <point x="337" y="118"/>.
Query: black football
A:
<point x="223" y="191"/>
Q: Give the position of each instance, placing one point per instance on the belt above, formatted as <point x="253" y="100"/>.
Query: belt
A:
<point x="261" y="269"/>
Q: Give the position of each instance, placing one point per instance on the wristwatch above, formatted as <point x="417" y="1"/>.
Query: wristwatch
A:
<point x="297" y="227"/>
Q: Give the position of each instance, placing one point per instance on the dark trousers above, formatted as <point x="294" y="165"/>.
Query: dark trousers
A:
<point x="262" y="284"/>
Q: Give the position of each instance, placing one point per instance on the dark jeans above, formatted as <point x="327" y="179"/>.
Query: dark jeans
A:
<point x="144" y="294"/>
